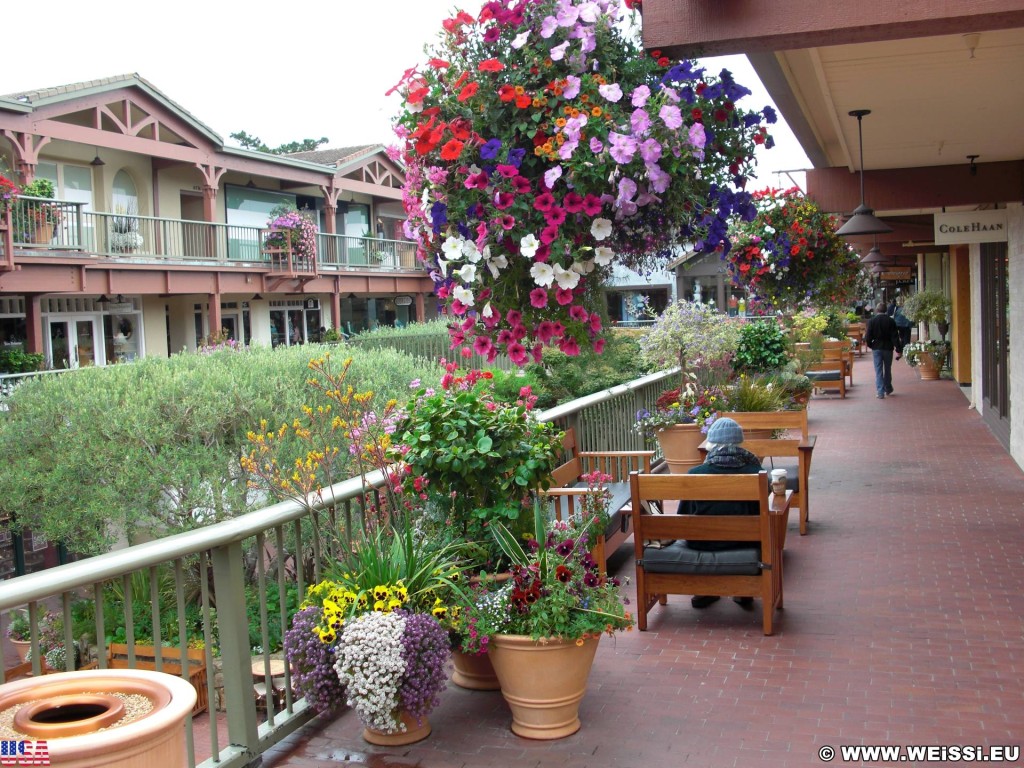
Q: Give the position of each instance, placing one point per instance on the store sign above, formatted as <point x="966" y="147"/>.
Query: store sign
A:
<point x="970" y="227"/>
<point x="403" y="301"/>
<point x="897" y="275"/>
<point x="120" y="307"/>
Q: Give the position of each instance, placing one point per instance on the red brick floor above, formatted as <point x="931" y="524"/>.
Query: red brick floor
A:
<point x="903" y="622"/>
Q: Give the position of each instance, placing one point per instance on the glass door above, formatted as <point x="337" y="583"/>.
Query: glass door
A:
<point x="74" y="343"/>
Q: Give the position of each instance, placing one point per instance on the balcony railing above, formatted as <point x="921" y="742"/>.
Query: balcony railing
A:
<point x="234" y="565"/>
<point x="65" y="228"/>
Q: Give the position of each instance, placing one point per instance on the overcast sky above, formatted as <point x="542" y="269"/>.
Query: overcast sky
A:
<point x="283" y="74"/>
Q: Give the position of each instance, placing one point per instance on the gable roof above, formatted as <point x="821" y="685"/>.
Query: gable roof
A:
<point x="337" y="157"/>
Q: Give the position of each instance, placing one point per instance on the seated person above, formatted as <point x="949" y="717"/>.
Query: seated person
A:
<point x="725" y="456"/>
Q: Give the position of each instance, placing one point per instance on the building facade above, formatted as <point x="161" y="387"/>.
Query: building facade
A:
<point x="154" y="238"/>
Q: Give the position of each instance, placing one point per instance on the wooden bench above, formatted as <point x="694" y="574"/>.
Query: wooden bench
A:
<point x="828" y="375"/>
<point x="855" y="332"/>
<point x="771" y="420"/>
<point x="837" y="354"/>
<point x="567" y="488"/>
<point x="118" y="657"/>
<point x="676" y="569"/>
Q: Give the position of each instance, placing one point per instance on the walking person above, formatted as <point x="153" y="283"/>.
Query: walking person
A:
<point x="903" y="323"/>
<point x="883" y="339"/>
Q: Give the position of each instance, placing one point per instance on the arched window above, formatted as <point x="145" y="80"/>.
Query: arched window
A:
<point x="125" y="197"/>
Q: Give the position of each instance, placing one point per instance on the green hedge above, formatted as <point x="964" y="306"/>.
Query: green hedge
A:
<point x="151" y="448"/>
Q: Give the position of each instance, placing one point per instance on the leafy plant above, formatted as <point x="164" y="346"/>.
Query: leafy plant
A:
<point x="19" y="361"/>
<point x="18" y="626"/>
<point x="757" y="393"/>
<point x="761" y="347"/>
<point x="927" y="307"/>
<point x="688" y="335"/>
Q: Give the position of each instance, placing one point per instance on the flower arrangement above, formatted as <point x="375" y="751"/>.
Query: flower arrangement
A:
<point x="789" y="255"/>
<point x="8" y="194"/>
<point x="556" y="589"/>
<point x="312" y="661"/>
<point x="689" y="335"/>
<point x="477" y="460"/>
<point x="18" y="626"/>
<point x="292" y="230"/>
<point x="937" y="350"/>
<point x="690" y="404"/>
<point x="540" y="143"/>
<point x="392" y="663"/>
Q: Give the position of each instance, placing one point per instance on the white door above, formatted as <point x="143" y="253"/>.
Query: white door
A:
<point x="75" y="343"/>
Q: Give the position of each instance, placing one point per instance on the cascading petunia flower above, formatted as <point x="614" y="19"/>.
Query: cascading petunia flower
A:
<point x="527" y="119"/>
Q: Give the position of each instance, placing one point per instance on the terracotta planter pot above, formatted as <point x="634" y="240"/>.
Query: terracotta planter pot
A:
<point x="43" y="234"/>
<point x="474" y="672"/>
<point x="414" y="731"/>
<point x="679" y="445"/>
<point x="927" y="367"/>
<point x="78" y="715"/>
<point x="543" y="683"/>
<point x="21" y="647"/>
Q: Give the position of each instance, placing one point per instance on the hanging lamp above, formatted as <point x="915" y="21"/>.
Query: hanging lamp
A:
<point x="863" y="220"/>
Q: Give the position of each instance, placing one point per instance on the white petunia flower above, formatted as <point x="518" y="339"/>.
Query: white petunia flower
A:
<point x="567" y="279"/>
<point x="470" y="251"/>
<point x="584" y="267"/>
<point x="542" y="274"/>
<point x="528" y="245"/>
<point x="497" y="264"/>
<point x="452" y="248"/>
<point x="463" y="294"/>
<point x="601" y="228"/>
<point x="467" y="273"/>
<point x="487" y="310"/>
<point x="603" y="255"/>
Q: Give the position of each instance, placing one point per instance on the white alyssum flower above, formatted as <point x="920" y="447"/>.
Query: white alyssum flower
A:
<point x="371" y="666"/>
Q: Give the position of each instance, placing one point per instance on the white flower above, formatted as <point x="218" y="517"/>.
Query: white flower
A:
<point x="496" y="264"/>
<point x="470" y="251"/>
<point x="487" y="310"/>
<point x="520" y="39"/>
<point x="467" y="273"/>
<point x="567" y="279"/>
<point x="463" y="294"/>
<point x="542" y="274"/>
<point x="603" y="255"/>
<point x="601" y="228"/>
<point x="584" y="267"/>
<point x="528" y="245"/>
<point x="452" y="248"/>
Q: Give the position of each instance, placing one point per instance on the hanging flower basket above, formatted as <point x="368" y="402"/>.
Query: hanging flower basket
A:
<point x="542" y="144"/>
<point x="789" y="255"/>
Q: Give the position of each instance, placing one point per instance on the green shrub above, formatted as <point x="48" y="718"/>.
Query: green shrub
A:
<point x="19" y="361"/>
<point x="152" y="448"/>
<point x="565" y="378"/>
<point x="762" y="347"/>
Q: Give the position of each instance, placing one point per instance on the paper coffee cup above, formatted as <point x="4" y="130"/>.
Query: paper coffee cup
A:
<point x="779" y="474"/>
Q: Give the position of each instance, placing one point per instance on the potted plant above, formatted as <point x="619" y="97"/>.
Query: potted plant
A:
<point x="475" y="459"/>
<point x="9" y="192"/>
<point x="679" y="422"/>
<point x="543" y="626"/>
<point x="19" y="632"/>
<point x="290" y="239"/>
<point x="34" y="216"/>
<point x="929" y="307"/>
<point x="789" y="254"/>
<point x="540" y="145"/>
<point x="929" y="357"/>
<point x="124" y="230"/>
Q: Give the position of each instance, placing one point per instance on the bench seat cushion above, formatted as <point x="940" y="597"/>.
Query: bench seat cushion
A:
<point x="824" y="375"/>
<point x="679" y="558"/>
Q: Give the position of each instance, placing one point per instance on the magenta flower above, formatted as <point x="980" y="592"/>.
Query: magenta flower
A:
<point x="579" y="313"/>
<point x="592" y="205"/>
<point x="521" y="185"/>
<point x="564" y="296"/>
<point x="517" y="353"/>
<point x="504" y="200"/>
<point x="555" y="216"/>
<point x="538" y="298"/>
<point x="544" y="201"/>
<point x="569" y="346"/>
<point x="507" y="171"/>
<point x="572" y="203"/>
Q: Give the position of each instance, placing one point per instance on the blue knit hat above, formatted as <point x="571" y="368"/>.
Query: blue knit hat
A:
<point x="725" y="431"/>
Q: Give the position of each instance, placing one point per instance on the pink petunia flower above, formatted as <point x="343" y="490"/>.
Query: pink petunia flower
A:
<point x="517" y="353"/>
<point x="538" y="298"/>
<point x="564" y="296"/>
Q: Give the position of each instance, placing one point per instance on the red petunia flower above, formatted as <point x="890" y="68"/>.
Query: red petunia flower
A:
<point x="452" y="150"/>
<point x="490" y="65"/>
<point x="468" y="91"/>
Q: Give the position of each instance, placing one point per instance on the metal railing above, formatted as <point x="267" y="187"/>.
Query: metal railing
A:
<point x="209" y="582"/>
<point x="61" y="226"/>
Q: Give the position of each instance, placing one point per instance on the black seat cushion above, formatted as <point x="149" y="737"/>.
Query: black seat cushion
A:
<point x="679" y="558"/>
<point x="823" y="375"/>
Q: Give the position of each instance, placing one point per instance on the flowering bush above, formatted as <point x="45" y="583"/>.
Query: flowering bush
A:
<point x="689" y="335"/>
<point x="938" y="350"/>
<point x="295" y="231"/>
<point x="477" y="460"/>
<point x="691" y="404"/>
<point x="541" y="141"/>
<point x="392" y="663"/>
<point x="8" y="193"/>
<point x="789" y="254"/>
<point x="556" y="590"/>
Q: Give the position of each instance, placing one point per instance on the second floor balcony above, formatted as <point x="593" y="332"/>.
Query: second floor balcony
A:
<point x="38" y="227"/>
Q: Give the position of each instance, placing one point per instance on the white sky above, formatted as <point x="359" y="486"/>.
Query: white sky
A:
<point x="282" y="73"/>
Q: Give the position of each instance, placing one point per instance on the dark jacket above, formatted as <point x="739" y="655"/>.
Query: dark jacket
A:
<point x="902" y="321"/>
<point x="723" y="460"/>
<point x="882" y="333"/>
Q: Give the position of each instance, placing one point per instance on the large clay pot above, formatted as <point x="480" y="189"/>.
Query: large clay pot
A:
<point x="680" y="445"/>
<point x="78" y="715"/>
<point x="543" y="682"/>
<point x="21" y="647"/>
<point x="414" y="731"/>
<point x="927" y="367"/>
<point x="474" y="671"/>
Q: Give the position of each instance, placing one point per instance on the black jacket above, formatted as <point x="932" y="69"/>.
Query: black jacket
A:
<point x="882" y="333"/>
<point x="724" y="460"/>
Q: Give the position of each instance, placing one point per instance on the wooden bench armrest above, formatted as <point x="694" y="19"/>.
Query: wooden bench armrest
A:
<point x="617" y="454"/>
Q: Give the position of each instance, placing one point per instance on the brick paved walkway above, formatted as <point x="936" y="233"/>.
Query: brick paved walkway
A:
<point x="903" y="622"/>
